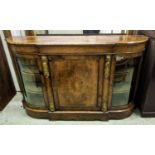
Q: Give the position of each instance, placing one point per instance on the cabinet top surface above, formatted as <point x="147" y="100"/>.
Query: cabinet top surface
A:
<point x="78" y="40"/>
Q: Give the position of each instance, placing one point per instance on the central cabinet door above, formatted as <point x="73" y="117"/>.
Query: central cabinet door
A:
<point x="75" y="82"/>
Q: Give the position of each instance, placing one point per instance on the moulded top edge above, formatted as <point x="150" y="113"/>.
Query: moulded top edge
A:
<point x="78" y="40"/>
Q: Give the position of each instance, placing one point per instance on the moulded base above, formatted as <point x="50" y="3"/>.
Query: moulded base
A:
<point x="80" y="115"/>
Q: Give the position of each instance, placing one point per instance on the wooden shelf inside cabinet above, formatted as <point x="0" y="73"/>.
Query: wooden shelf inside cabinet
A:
<point x="80" y="77"/>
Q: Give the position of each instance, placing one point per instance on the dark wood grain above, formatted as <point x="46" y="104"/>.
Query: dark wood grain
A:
<point x="145" y="96"/>
<point x="7" y="89"/>
<point x="75" y="82"/>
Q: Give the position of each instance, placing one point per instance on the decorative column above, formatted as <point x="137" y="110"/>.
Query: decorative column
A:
<point x="106" y="83"/>
<point x="47" y="82"/>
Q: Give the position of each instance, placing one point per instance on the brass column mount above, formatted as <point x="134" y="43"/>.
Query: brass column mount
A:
<point x="45" y="66"/>
<point x="111" y="80"/>
<point x="106" y="83"/>
<point x="46" y="74"/>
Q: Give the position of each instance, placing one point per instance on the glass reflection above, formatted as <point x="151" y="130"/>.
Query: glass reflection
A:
<point x="32" y="82"/>
<point x="122" y="80"/>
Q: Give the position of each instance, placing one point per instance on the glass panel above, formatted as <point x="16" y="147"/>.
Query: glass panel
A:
<point x="28" y="65"/>
<point x="122" y="80"/>
<point x="32" y="82"/>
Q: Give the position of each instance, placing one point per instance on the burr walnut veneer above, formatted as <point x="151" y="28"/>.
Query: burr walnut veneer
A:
<point x="78" y="77"/>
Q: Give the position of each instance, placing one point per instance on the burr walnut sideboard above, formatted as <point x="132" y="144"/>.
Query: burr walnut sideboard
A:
<point x="78" y="77"/>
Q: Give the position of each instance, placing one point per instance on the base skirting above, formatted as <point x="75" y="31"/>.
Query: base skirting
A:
<point x="80" y="115"/>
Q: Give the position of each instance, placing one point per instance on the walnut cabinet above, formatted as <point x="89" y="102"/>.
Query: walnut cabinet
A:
<point x="78" y="77"/>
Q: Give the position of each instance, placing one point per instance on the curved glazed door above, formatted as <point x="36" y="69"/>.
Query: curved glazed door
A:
<point x="125" y="80"/>
<point x="32" y="81"/>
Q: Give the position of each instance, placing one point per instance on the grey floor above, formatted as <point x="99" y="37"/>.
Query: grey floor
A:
<point x="15" y="114"/>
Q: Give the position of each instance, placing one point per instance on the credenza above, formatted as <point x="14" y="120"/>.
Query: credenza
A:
<point x="78" y="77"/>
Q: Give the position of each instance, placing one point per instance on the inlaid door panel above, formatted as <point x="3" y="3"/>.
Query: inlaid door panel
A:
<point x="74" y="80"/>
